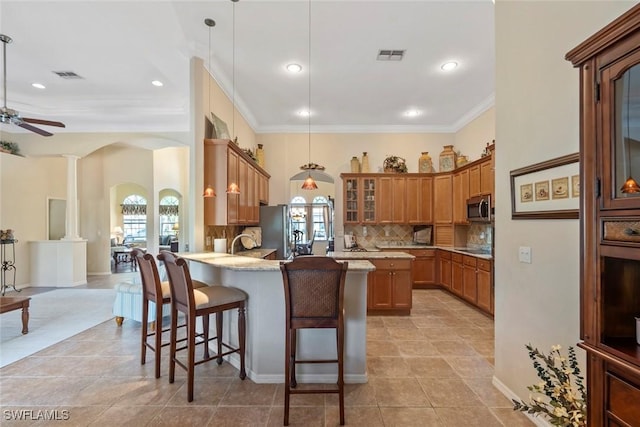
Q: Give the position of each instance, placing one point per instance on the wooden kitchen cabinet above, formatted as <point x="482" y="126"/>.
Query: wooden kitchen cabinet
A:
<point x="359" y="192"/>
<point x="474" y="180"/>
<point x="424" y="267"/>
<point x="609" y="63"/>
<point x="391" y="200"/>
<point x="419" y="199"/>
<point x="486" y="176"/>
<point x="443" y="200"/>
<point x="444" y="269"/>
<point x="484" y="290"/>
<point x="460" y="196"/>
<point x="469" y="280"/>
<point x="389" y="286"/>
<point x="457" y="274"/>
<point x="226" y="163"/>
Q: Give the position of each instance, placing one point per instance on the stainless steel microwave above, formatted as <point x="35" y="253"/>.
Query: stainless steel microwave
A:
<point x="479" y="208"/>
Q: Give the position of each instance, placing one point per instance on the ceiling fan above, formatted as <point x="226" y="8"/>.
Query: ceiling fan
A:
<point x="7" y="115"/>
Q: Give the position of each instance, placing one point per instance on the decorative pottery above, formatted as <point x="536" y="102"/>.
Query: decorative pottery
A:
<point x="364" y="167"/>
<point x="425" y="163"/>
<point x="447" y="160"/>
<point x="461" y="160"/>
<point x="355" y="165"/>
<point x="260" y="156"/>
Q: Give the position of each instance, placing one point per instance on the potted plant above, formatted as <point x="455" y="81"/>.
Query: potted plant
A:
<point x="9" y="147"/>
<point x="560" y="393"/>
<point x="395" y="164"/>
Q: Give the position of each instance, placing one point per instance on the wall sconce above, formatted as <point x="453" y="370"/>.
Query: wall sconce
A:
<point x="208" y="192"/>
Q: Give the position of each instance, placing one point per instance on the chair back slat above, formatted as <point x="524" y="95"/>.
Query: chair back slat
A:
<point x="149" y="274"/>
<point x="179" y="279"/>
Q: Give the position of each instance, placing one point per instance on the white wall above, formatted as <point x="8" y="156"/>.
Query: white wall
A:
<point x="537" y="107"/>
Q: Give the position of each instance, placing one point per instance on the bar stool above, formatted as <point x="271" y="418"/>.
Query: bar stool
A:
<point x="314" y="298"/>
<point x="200" y="302"/>
<point x="156" y="292"/>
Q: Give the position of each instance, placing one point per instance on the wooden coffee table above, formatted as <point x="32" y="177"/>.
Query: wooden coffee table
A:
<point x="14" y="303"/>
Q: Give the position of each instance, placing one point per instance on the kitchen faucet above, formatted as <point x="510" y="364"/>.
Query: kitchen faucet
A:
<point x="233" y="242"/>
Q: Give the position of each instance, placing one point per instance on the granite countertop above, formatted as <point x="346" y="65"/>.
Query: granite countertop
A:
<point x="256" y="253"/>
<point x="249" y="263"/>
<point x="369" y="255"/>
<point x="403" y="245"/>
<point x="470" y="251"/>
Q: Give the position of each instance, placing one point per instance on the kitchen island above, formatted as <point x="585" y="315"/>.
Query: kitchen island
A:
<point x="265" y="316"/>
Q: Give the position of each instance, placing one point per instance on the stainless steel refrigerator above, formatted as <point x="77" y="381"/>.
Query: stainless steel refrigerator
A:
<point x="274" y="222"/>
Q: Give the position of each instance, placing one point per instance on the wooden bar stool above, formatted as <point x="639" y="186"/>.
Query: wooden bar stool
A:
<point x="314" y="298"/>
<point x="155" y="294"/>
<point x="200" y="302"/>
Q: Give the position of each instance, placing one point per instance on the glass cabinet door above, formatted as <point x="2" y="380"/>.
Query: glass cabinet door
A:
<point x="369" y="200"/>
<point x="621" y="133"/>
<point x="351" y="188"/>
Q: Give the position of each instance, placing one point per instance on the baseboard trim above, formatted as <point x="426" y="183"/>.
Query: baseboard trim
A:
<point x="537" y="420"/>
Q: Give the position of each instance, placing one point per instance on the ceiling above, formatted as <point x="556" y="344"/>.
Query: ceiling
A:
<point x="119" y="47"/>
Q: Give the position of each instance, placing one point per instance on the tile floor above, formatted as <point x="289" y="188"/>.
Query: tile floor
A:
<point x="433" y="368"/>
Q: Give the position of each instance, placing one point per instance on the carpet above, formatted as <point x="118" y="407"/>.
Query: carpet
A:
<point x="53" y="316"/>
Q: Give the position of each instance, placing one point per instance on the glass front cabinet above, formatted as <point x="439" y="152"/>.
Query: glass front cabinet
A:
<point x="609" y="64"/>
<point x="359" y="199"/>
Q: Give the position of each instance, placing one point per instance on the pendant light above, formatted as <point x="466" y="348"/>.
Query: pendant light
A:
<point x="309" y="183"/>
<point x="208" y="191"/>
<point x="233" y="187"/>
<point x="630" y="186"/>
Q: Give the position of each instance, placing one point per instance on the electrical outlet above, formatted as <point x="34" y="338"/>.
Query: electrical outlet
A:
<point x="524" y="254"/>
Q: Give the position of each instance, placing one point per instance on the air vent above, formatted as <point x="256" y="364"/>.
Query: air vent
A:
<point x="390" y="55"/>
<point x="69" y="75"/>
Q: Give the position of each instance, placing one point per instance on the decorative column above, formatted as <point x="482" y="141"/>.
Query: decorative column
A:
<point x="71" y="215"/>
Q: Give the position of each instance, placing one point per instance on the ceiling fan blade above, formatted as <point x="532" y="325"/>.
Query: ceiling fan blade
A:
<point x="34" y="129"/>
<point x="42" y="122"/>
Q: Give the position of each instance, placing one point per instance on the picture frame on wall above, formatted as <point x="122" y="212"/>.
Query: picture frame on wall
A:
<point x="547" y="190"/>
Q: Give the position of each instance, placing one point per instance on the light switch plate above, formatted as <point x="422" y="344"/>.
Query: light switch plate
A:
<point x="524" y="254"/>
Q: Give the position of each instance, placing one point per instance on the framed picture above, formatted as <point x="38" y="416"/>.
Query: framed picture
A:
<point x="547" y="190"/>
<point x="220" y="128"/>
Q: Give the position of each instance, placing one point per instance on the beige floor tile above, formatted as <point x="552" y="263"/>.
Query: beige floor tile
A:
<point x="431" y="367"/>
<point x="416" y="348"/>
<point x="248" y="393"/>
<point x="382" y="348"/>
<point x="409" y="417"/>
<point x="471" y="367"/>
<point x="354" y="416"/>
<point x="440" y="334"/>
<point x="298" y="416"/>
<point x="388" y="367"/>
<point x="454" y="348"/>
<point x="398" y="322"/>
<point x="449" y="392"/>
<point x="399" y="392"/>
<point x="468" y="417"/>
<point x="196" y="416"/>
<point x="511" y="418"/>
<point x="355" y="395"/>
<point x="240" y="416"/>
<point x="206" y="391"/>
<point x="396" y="333"/>
<point x="489" y="395"/>
<point x="377" y="333"/>
<point x="80" y="415"/>
<point x="316" y="399"/>
<point x="130" y="416"/>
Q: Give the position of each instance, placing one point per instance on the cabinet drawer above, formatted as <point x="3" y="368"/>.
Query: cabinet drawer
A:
<point x="444" y="254"/>
<point x="622" y="399"/>
<point x="392" y="264"/>
<point x="622" y="231"/>
<point x="456" y="257"/>
<point x="422" y="252"/>
<point x="470" y="261"/>
<point x="484" y="264"/>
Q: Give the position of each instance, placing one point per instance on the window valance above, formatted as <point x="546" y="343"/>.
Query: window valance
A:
<point x="131" y="209"/>
<point x="169" y="210"/>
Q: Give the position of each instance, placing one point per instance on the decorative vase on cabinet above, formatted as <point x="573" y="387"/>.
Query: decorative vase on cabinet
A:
<point x="425" y="163"/>
<point x="260" y="156"/>
<point x="355" y="165"/>
<point x="447" y="161"/>
<point x="364" y="166"/>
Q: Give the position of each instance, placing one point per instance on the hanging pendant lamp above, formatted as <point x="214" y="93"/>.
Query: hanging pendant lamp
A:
<point x="630" y="186"/>
<point x="309" y="183"/>
<point x="233" y="187"/>
<point x="208" y="191"/>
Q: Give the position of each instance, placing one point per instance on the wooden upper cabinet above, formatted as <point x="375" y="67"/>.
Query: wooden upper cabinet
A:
<point x="226" y="163"/>
<point x="460" y="196"/>
<point x="474" y="180"/>
<point x="391" y="206"/>
<point x="419" y="197"/>
<point x="486" y="177"/>
<point x="360" y="196"/>
<point x="443" y="199"/>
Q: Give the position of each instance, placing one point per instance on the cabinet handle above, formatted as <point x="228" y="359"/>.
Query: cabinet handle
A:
<point x="631" y="232"/>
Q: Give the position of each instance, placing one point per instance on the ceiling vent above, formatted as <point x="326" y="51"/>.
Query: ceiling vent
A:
<point x="69" y="75"/>
<point x="390" y="55"/>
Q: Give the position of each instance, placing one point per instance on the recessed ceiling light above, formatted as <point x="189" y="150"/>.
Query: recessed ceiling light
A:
<point x="412" y="113"/>
<point x="157" y="83"/>
<point x="38" y="85"/>
<point x="294" y="68"/>
<point x="304" y="113"/>
<point x="448" y="66"/>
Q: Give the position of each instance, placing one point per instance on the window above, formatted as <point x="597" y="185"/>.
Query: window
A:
<point x="298" y="215"/>
<point x="134" y="218"/>
<point x="169" y="216"/>
<point x="321" y="219"/>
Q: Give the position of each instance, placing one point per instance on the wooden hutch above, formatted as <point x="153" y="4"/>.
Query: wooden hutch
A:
<point x="609" y="64"/>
